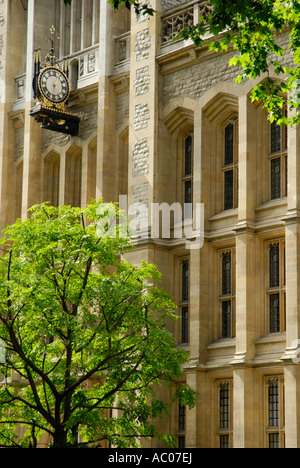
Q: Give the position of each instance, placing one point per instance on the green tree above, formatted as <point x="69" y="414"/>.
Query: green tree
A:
<point x="84" y="333"/>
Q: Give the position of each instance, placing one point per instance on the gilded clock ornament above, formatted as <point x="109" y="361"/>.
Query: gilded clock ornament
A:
<point x="51" y="89"/>
<point x="54" y="84"/>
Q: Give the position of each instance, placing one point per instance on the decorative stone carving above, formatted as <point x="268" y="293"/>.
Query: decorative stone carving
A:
<point x="142" y="45"/>
<point x="91" y="62"/>
<point x="172" y="25"/>
<point x="141" y="116"/>
<point x="140" y="158"/>
<point x="142" y="81"/>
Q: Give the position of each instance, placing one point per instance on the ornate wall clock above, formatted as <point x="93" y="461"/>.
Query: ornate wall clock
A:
<point x="51" y="90"/>
<point x="54" y="85"/>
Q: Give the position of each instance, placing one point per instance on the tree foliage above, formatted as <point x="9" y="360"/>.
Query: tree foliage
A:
<point x="85" y="335"/>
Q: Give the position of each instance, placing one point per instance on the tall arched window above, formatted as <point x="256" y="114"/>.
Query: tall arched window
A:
<point x="276" y="288"/>
<point x="224" y="414"/>
<point x="187" y="175"/>
<point x="277" y="160"/>
<point x="274" y="412"/>
<point x="230" y="164"/>
<point x="227" y="293"/>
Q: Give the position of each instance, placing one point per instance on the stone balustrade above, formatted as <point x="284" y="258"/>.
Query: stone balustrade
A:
<point x="182" y="16"/>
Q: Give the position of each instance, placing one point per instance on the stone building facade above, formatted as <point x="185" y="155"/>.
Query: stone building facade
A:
<point x="164" y="122"/>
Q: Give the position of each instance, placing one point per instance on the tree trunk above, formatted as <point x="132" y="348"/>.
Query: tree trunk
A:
<point x="60" y="439"/>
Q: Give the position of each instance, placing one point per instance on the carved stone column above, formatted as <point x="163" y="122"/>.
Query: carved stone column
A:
<point x="143" y="106"/>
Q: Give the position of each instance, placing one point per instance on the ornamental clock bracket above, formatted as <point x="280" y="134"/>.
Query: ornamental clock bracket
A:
<point x="51" y="88"/>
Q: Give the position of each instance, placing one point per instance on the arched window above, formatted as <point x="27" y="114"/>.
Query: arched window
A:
<point x="276" y="290"/>
<point x="219" y="155"/>
<point x="274" y="412"/>
<point x="227" y="293"/>
<point x="187" y="178"/>
<point x="230" y="164"/>
<point x="185" y="284"/>
<point x="224" y="413"/>
<point x="277" y="161"/>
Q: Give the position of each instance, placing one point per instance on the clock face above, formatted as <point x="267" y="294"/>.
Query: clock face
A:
<point x="54" y="85"/>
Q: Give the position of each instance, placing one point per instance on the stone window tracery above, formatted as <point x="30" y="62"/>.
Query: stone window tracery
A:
<point x="278" y="161"/>
<point x="274" y="412"/>
<point x="276" y="295"/>
<point x="184" y="300"/>
<point x="224" y="413"/>
<point x="230" y="164"/>
<point x="227" y="293"/>
<point x="187" y="178"/>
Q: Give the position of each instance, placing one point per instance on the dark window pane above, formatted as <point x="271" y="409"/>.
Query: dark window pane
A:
<point x="188" y="191"/>
<point x="274" y="440"/>
<point x="275" y="138"/>
<point x="188" y="156"/>
<point x="284" y="311"/>
<point x="181" y="442"/>
<point x="285" y="130"/>
<point x="226" y="273"/>
<point x="274" y="313"/>
<point x="188" y="199"/>
<point x="275" y="178"/>
<point x="229" y="134"/>
<point x="185" y="325"/>
<point x="224" y="441"/>
<point x="181" y="418"/>
<point x="228" y="190"/>
<point x="185" y="280"/>
<point x="286" y="176"/>
<point x="274" y="403"/>
<point x="274" y="265"/>
<point x="224" y="406"/>
<point x="284" y="268"/>
<point x="226" y="319"/>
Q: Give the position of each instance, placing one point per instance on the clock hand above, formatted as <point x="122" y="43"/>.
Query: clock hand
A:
<point x="59" y="90"/>
<point x="55" y="83"/>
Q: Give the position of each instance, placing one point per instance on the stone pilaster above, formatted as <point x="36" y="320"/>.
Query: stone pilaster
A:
<point x="199" y="304"/>
<point x="292" y="232"/>
<point x="243" y="408"/>
<point x="32" y="131"/>
<point x="196" y="427"/>
<point x="243" y="404"/>
<point x="11" y="56"/>
<point x="292" y="411"/>
<point x="292" y="252"/>
<point x="106" y="121"/>
<point x="245" y="239"/>
<point x="145" y="31"/>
